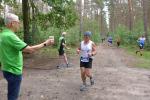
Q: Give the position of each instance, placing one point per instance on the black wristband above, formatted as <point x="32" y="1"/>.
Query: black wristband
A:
<point x="44" y="44"/>
<point x="92" y="54"/>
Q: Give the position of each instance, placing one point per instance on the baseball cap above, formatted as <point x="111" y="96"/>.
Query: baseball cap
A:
<point x="87" y="33"/>
<point x="9" y="17"/>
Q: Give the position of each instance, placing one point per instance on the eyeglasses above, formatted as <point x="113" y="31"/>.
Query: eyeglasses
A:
<point x="86" y="36"/>
<point x="16" y="22"/>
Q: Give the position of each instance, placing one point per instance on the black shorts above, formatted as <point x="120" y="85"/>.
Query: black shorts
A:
<point x="141" y="47"/>
<point x="110" y="42"/>
<point x="61" y="52"/>
<point x="86" y="64"/>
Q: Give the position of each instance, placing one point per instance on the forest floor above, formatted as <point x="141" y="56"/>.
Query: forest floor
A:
<point x="115" y="78"/>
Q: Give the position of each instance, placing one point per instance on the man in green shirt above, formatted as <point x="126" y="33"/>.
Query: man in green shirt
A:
<point x="11" y="58"/>
<point x="61" y="50"/>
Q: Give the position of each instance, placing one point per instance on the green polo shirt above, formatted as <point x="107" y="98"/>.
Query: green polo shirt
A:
<point x="11" y="52"/>
<point x="61" y="41"/>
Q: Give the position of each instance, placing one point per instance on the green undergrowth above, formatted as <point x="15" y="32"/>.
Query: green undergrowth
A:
<point x="142" y="61"/>
<point x="52" y="52"/>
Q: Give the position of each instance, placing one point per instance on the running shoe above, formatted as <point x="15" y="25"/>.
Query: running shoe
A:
<point x="83" y="88"/>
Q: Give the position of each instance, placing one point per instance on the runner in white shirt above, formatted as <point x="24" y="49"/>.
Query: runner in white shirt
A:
<point x="87" y="50"/>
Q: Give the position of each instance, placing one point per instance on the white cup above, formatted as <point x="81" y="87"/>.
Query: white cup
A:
<point x="51" y="38"/>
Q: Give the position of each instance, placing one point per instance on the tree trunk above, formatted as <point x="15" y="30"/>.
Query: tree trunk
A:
<point x="25" y="10"/>
<point x="130" y="15"/>
<point x="81" y="18"/>
<point x="101" y="21"/>
<point x="145" y="20"/>
<point x="112" y="17"/>
<point x="34" y="23"/>
<point x="148" y="15"/>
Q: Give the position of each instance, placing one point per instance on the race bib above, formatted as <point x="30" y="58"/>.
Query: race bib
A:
<point x="84" y="59"/>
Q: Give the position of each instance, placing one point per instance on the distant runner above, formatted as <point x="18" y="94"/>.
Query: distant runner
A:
<point x="103" y="39"/>
<point x="87" y="50"/>
<point x="118" y="41"/>
<point x="110" y="40"/>
<point x="141" y="42"/>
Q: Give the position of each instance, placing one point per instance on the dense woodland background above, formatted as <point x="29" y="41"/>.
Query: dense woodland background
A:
<point x="127" y="19"/>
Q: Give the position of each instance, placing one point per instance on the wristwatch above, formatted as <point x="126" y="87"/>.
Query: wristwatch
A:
<point x="44" y="44"/>
<point x="92" y="54"/>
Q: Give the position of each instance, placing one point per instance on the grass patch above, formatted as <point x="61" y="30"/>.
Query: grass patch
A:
<point x="142" y="61"/>
<point x="49" y="51"/>
<point x="144" y="64"/>
<point x="52" y="52"/>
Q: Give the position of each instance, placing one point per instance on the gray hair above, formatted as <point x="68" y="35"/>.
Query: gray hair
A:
<point x="9" y="17"/>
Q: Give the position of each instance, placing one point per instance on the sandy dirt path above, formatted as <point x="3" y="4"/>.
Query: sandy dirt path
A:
<point x="115" y="79"/>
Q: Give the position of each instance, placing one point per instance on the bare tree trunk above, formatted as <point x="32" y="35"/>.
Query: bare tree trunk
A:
<point x="145" y="19"/>
<point x="130" y="15"/>
<point x="81" y="18"/>
<point x="101" y="21"/>
<point x="34" y="23"/>
<point x="25" y="10"/>
<point x="148" y="16"/>
<point x="112" y="17"/>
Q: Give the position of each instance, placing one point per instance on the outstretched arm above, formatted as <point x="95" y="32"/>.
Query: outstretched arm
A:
<point x="32" y="49"/>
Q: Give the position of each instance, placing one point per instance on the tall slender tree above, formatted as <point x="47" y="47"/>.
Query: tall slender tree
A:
<point x="112" y="15"/>
<point x="100" y="4"/>
<point x="25" y="10"/>
<point x="81" y="17"/>
<point x="130" y="15"/>
<point x="145" y="20"/>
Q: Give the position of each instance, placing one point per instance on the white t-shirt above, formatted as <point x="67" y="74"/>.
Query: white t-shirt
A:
<point x="85" y="50"/>
<point x="142" y="40"/>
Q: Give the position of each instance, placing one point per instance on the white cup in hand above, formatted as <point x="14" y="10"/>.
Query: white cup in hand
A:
<point x="51" y="39"/>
